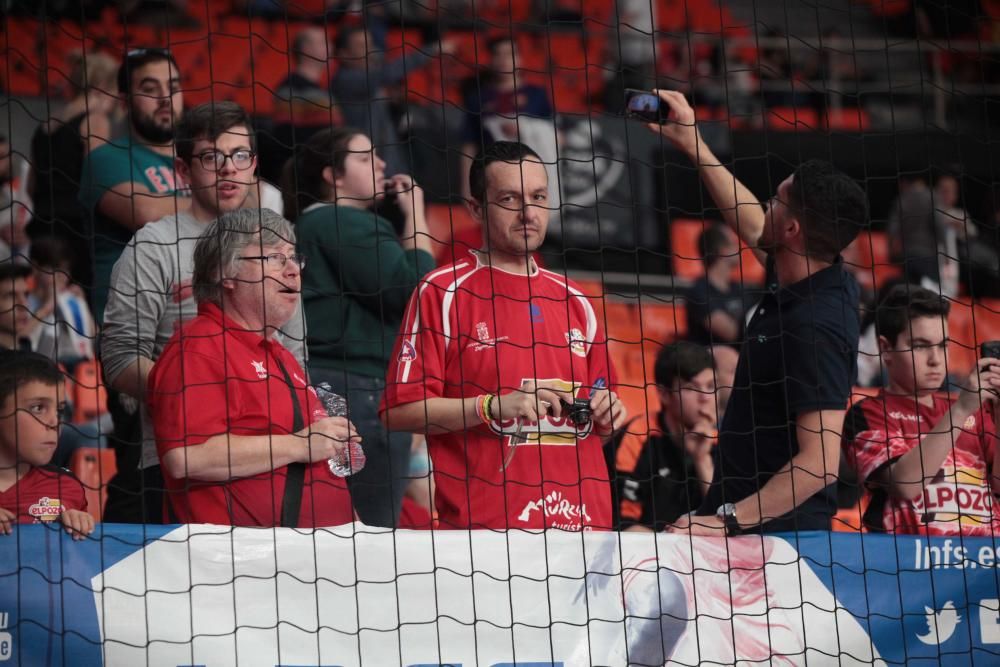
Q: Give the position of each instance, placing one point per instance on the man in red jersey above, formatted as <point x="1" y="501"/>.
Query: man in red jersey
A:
<point x="504" y="365"/>
<point x="927" y="459"/>
<point x="242" y="439"/>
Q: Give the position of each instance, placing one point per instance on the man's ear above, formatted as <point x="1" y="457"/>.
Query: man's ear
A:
<point x="329" y="177"/>
<point x="182" y="171"/>
<point x="476" y="209"/>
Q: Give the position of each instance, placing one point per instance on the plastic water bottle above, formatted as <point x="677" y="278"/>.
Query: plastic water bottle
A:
<point x="352" y="459"/>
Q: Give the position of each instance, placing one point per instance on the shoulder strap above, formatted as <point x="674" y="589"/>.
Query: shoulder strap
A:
<point x="292" y="500"/>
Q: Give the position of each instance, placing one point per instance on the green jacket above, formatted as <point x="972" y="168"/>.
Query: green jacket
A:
<point x="355" y="287"/>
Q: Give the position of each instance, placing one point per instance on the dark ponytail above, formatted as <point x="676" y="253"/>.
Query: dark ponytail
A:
<point x="302" y="176"/>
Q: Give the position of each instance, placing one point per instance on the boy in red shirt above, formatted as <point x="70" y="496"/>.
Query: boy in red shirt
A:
<point x="31" y="491"/>
<point x="927" y="458"/>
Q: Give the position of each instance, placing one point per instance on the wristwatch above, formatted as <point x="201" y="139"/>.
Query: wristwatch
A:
<point x="727" y="515"/>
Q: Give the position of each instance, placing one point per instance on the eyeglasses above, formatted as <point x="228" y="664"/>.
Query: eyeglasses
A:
<point x="214" y="160"/>
<point x="277" y="260"/>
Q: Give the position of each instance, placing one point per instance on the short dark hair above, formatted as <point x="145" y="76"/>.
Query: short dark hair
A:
<point x="50" y="251"/>
<point x="492" y="44"/>
<point x="511" y="152"/>
<point x="209" y="121"/>
<point x="344" y="36"/>
<point x="831" y="207"/>
<point x="137" y="59"/>
<point x="10" y="270"/>
<point x="681" y="360"/>
<point x="904" y="303"/>
<point x="711" y="242"/>
<point x="19" y="367"/>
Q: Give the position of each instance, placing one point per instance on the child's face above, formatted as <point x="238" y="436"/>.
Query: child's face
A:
<point x="29" y="423"/>
<point x="917" y="362"/>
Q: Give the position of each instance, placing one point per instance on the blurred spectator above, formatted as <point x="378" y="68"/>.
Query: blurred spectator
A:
<point x="361" y="275"/>
<point x="500" y="106"/>
<point x="630" y="50"/>
<point x="17" y="326"/>
<point x="60" y="305"/>
<point x="303" y="104"/>
<point x="779" y="77"/>
<point x="918" y="239"/>
<point x="666" y="475"/>
<point x="243" y="440"/>
<point x="166" y="13"/>
<point x="360" y="86"/>
<point x="15" y="207"/>
<point x="58" y="148"/>
<point x="976" y="258"/>
<point x="715" y="305"/>
<point x="130" y="180"/>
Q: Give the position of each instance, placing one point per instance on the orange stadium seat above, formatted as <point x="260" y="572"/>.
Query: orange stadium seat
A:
<point x="94" y="468"/>
<point x="684" y="235"/>
<point x="793" y="119"/>
<point x="848" y="120"/>
<point x="90" y="396"/>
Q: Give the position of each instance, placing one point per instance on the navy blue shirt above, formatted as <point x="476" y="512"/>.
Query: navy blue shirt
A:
<point x="799" y="355"/>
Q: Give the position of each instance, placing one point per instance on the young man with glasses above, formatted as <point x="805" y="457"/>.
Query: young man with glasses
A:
<point x="216" y="157"/>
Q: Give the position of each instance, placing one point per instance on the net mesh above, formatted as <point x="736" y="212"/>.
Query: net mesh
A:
<point x="899" y="95"/>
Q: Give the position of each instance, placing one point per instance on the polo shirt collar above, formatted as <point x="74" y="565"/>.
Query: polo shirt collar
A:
<point x="830" y="277"/>
<point x="228" y="325"/>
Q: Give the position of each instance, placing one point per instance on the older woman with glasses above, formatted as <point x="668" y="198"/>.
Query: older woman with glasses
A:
<point x="242" y="438"/>
<point x="360" y="278"/>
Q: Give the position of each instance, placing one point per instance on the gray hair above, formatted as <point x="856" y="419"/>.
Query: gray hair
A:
<point x="218" y="250"/>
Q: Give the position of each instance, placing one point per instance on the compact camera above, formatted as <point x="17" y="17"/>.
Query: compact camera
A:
<point x="579" y="412"/>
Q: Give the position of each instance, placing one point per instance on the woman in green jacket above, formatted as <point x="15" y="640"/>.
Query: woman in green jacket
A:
<point x="360" y="277"/>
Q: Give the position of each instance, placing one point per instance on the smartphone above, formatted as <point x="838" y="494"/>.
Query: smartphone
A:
<point x="644" y="106"/>
<point x="990" y="349"/>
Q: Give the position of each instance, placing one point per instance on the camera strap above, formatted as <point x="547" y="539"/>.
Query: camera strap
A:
<point x="291" y="503"/>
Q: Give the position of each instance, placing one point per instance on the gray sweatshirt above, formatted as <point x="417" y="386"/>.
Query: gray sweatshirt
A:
<point x="151" y="296"/>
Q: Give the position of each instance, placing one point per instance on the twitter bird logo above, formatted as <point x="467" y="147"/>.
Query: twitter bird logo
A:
<point x="940" y="625"/>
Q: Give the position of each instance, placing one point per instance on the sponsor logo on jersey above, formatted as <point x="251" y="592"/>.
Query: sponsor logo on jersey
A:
<point x="260" y="369"/>
<point x="407" y="352"/>
<point x="963" y="494"/>
<point x="46" y="509"/>
<point x="970" y="423"/>
<point x="904" y="416"/>
<point x="550" y="430"/>
<point x="557" y="511"/>
<point x="485" y="340"/>
<point x="577" y="342"/>
<point x="536" y="313"/>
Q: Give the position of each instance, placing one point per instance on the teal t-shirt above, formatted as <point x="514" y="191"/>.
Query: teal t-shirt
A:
<point x="112" y="164"/>
<point x="355" y="286"/>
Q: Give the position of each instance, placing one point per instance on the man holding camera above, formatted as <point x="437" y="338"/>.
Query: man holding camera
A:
<point x="504" y="366"/>
<point x="779" y="442"/>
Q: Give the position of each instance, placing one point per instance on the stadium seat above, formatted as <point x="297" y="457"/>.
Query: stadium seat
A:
<point x="90" y="396"/>
<point x="445" y="222"/>
<point x="962" y="339"/>
<point x="793" y="119"/>
<point x="662" y="321"/>
<point x="851" y="519"/>
<point x="94" y="468"/>
<point x="684" y="235"/>
<point x="848" y="120"/>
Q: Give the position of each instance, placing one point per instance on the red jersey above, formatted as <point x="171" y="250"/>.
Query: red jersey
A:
<point x="471" y="329"/>
<point x="958" y="500"/>
<point x="215" y="378"/>
<point x="43" y="494"/>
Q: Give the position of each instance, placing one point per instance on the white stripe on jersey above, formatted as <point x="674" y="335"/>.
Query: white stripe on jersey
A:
<point x="449" y="297"/>
<point x="415" y="305"/>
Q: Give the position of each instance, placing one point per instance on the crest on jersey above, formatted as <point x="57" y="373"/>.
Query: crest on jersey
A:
<point x="407" y="352"/>
<point x="577" y="342"/>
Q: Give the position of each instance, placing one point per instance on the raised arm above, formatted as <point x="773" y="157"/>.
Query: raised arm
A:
<point x="739" y="207"/>
<point x="132" y="205"/>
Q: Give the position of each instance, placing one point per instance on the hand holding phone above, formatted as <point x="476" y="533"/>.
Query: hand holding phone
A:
<point x="645" y="106"/>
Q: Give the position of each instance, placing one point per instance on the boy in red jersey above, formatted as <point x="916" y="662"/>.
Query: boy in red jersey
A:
<point x="927" y="458"/>
<point x="30" y="490"/>
<point x="493" y="352"/>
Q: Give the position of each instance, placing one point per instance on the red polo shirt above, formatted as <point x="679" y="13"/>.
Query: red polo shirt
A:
<point x="215" y="378"/>
<point x="43" y="494"/>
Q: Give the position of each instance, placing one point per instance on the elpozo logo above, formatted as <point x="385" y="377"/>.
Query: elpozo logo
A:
<point x="46" y="509"/>
<point x="551" y="430"/>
